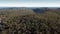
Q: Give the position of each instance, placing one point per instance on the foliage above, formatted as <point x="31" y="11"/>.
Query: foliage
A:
<point x="44" y="23"/>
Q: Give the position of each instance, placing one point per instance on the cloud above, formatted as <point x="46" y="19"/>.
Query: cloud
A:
<point x="30" y="5"/>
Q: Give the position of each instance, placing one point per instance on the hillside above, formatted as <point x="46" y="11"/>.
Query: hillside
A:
<point x="30" y="21"/>
<point x="13" y="12"/>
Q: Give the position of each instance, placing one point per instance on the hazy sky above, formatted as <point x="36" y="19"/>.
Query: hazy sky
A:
<point x="29" y="3"/>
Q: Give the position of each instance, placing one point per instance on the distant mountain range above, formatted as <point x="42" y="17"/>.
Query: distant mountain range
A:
<point x="35" y="9"/>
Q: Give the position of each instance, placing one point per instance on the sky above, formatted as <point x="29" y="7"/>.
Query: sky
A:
<point x="29" y="3"/>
